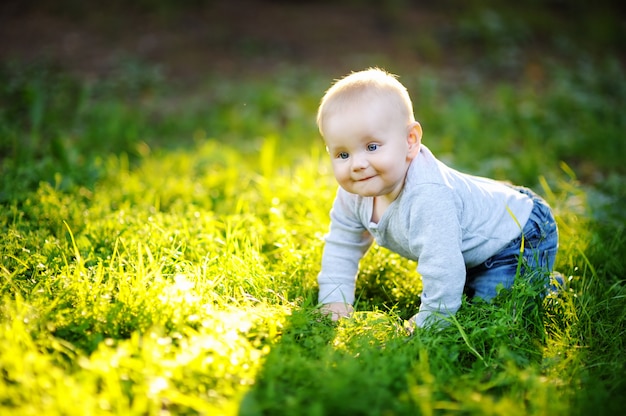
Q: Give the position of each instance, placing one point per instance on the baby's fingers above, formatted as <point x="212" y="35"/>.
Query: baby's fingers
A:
<point x="337" y="310"/>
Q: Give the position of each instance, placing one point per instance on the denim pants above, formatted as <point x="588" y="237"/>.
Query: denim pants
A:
<point x="540" y="246"/>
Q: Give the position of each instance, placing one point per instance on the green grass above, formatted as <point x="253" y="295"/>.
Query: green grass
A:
<point x="159" y="253"/>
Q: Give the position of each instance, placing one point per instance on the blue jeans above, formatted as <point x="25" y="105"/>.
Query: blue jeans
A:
<point x="540" y="247"/>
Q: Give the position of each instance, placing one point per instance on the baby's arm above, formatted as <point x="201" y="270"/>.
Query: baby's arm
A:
<point x="436" y="236"/>
<point x="346" y="242"/>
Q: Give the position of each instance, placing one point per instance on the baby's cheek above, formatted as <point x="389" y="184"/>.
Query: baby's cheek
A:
<point x="341" y="175"/>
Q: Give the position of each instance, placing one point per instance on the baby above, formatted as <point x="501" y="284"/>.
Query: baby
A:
<point x="465" y="232"/>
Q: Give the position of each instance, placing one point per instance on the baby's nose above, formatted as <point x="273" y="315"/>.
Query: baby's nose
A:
<point x="359" y="162"/>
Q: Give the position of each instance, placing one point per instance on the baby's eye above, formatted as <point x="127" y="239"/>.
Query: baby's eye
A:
<point x="372" y="146"/>
<point x="343" y="155"/>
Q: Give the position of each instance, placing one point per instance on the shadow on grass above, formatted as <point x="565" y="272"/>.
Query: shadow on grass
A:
<point x="321" y="367"/>
<point x="368" y="365"/>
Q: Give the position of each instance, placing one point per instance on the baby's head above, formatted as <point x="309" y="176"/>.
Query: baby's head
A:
<point x="366" y="88"/>
<point x="367" y="123"/>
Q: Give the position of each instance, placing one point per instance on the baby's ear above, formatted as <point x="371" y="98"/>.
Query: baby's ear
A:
<point x="414" y="139"/>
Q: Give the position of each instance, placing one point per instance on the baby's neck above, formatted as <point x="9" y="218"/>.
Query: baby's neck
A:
<point x="380" y="205"/>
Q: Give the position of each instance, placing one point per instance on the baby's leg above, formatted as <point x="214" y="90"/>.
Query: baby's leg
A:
<point x="484" y="280"/>
<point x="541" y="245"/>
<point x="540" y="248"/>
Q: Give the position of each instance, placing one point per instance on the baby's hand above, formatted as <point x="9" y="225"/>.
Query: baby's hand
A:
<point x="337" y="310"/>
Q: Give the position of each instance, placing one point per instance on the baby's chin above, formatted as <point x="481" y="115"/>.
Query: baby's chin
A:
<point x="363" y="194"/>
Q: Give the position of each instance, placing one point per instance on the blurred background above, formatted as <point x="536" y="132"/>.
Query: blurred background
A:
<point x="188" y="40"/>
<point x="503" y="89"/>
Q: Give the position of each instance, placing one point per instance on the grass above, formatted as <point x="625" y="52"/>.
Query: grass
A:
<point x="159" y="256"/>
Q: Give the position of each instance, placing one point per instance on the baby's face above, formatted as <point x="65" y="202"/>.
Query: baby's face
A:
<point x="369" y="147"/>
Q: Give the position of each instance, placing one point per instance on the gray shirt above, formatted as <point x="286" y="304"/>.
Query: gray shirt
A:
<point x="443" y="219"/>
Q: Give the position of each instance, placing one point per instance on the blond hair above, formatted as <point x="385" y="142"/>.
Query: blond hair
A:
<point x="366" y="86"/>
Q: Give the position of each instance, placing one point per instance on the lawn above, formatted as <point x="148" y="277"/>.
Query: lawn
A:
<point x="160" y="250"/>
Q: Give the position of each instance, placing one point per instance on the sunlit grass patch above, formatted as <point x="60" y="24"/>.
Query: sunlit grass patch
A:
<point x="204" y="366"/>
<point x="203" y="369"/>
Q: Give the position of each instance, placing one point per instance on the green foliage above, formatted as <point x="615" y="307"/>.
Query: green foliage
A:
<point x="522" y="130"/>
<point x="162" y="255"/>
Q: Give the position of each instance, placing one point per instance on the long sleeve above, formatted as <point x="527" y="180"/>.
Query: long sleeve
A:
<point x="435" y="233"/>
<point x="345" y="244"/>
